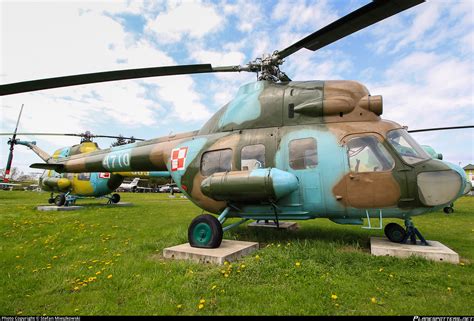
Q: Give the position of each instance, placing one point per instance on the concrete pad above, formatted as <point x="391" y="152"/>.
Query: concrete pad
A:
<point x="229" y="250"/>
<point x="58" y="208"/>
<point x="436" y="251"/>
<point x="120" y="204"/>
<point x="283" y="225"/>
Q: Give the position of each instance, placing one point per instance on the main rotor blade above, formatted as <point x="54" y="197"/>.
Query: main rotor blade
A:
<point x="27" y="86"/>
<point x="353" y="22"/>
<point x="439" y="128"/>
<point x="67" y="134"/>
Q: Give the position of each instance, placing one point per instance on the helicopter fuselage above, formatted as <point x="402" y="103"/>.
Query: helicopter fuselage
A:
<point x="296" y="150"/>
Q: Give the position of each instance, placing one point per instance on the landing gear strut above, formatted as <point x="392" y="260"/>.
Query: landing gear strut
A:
<point x="398" y="234"/>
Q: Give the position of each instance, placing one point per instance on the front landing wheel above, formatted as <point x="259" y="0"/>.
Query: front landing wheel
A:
<point x="205" y="231"/>
<point x="115" y="198"/>
<point x="395" y="232"/>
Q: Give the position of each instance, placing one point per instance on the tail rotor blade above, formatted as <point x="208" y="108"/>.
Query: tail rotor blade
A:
<point x="6" y="177"/>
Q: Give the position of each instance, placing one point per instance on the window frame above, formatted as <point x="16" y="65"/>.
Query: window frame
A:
<point x="381" y="151"/>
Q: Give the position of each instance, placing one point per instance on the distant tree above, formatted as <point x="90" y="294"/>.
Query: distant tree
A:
<point x="131" y="140"/>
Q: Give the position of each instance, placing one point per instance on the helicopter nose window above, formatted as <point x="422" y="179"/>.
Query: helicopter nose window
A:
<point x="367" y="154"/>
<point x="303" y="153"/>
<point x="216" y="161"/>
<point x="252" y="156"/>
<point x="406" y="146"/>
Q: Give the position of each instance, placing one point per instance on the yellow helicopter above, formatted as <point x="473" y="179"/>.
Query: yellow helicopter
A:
<point x="70" y="187"/>
<point x="284" y="149"/>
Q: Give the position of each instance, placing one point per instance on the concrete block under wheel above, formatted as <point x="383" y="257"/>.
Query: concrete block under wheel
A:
<point x="58" y="208"/>
<point x="229" y="250"/>
<point x="120" y="204"/>
<point x="282" y="225"/>
<point x="436" y="251"/>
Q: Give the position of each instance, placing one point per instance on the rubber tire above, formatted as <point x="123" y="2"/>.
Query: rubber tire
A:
<point x="395" y="232"/>
<point x="60" y="200"/>
<point x="50" y="200"/>
<point x="448" y="210"/>
<point x="206" y="223"/>
<point x="115" y="198"/>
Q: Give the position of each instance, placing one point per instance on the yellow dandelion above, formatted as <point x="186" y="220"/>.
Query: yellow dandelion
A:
<point x="48" y="267"/>
<point x="337" y="304"/>
<point x="17" y="256"/>
<point x="97" y="273"/>
<point x="202" y="301"/>
<point x="109" y="276"/>
<point x="381" y="270"/>
<point x="226" y="263"/>
<point x="373" y="300"/>
<point x="76" y="288"/>
<point x="179" y="306"/>
<point x="55" y="257"/>
<point x="226" y="275"/>
<point x="76" y="310"/>
<point x="242" y="266"/>
<point x="91" y="279"/>
<point x="200" y="306"/>
<point x="449" y="289"/>
<point x="333" y="296"/>
<point x="19" y="313"/>
<point x="391" y="275"/>
<point x="461" y="264"/>
<point x="89" y="267"/>
<point x="35" y="270"/>
<point x="213" y="287"/>
<point x="257" y="257"/>
<point x="297" y="264"/>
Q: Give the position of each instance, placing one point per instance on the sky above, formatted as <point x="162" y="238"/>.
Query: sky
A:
<point x="421" y="61"/>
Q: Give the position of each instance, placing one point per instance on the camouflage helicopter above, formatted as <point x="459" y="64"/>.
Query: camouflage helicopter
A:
<point x="285" y="150"/>
<point x="70" y="187"/>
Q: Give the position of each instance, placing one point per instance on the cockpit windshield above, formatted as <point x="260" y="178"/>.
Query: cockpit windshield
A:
<point x="406" y="146"/>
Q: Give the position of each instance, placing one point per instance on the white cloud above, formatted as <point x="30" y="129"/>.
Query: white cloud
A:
<point x="185" y="18"/>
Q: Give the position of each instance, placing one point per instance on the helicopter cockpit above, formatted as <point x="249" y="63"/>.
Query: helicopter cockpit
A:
<point x="409" y="150"/>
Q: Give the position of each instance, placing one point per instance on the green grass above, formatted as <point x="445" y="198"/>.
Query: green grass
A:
<point x="45" y="256"/>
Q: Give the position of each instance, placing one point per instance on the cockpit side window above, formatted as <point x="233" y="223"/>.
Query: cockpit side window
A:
<point x="406" y="146"/>
<point x="367" y="154"/>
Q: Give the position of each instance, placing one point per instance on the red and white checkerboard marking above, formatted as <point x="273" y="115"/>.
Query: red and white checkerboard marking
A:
<point x="178" y="158"/>
<point x="104" y="175"/>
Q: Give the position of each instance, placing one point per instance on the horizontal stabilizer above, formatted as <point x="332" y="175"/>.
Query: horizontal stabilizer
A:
<point x="56" y="167"/>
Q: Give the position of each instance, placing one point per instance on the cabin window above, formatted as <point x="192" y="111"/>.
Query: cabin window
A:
<point x="303" y="153"/>
<point x="216" y="161"/>
<point x="84" y="176"/>
<point x="367" y="154"/>
<point x="252" y="157"/>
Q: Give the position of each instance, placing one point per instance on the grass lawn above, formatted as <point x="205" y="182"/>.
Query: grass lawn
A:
<point x="107" y="261"/>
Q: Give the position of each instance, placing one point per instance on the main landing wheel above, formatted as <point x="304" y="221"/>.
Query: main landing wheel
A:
<point x="60" y="200"/>
<point x="50" y="200"/>
<point x="448" y="210"/>
<point x="205" y="231"/>
<point x="395" y="232"/>
<point x="115" y="198"/>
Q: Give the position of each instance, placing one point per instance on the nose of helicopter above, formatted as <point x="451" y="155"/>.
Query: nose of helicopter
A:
<point x="443" y="186"/>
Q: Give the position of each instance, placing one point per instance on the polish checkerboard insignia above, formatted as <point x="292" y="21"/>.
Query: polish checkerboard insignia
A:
<point x="104" y="175"/>
<point x="178" y="158"/>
